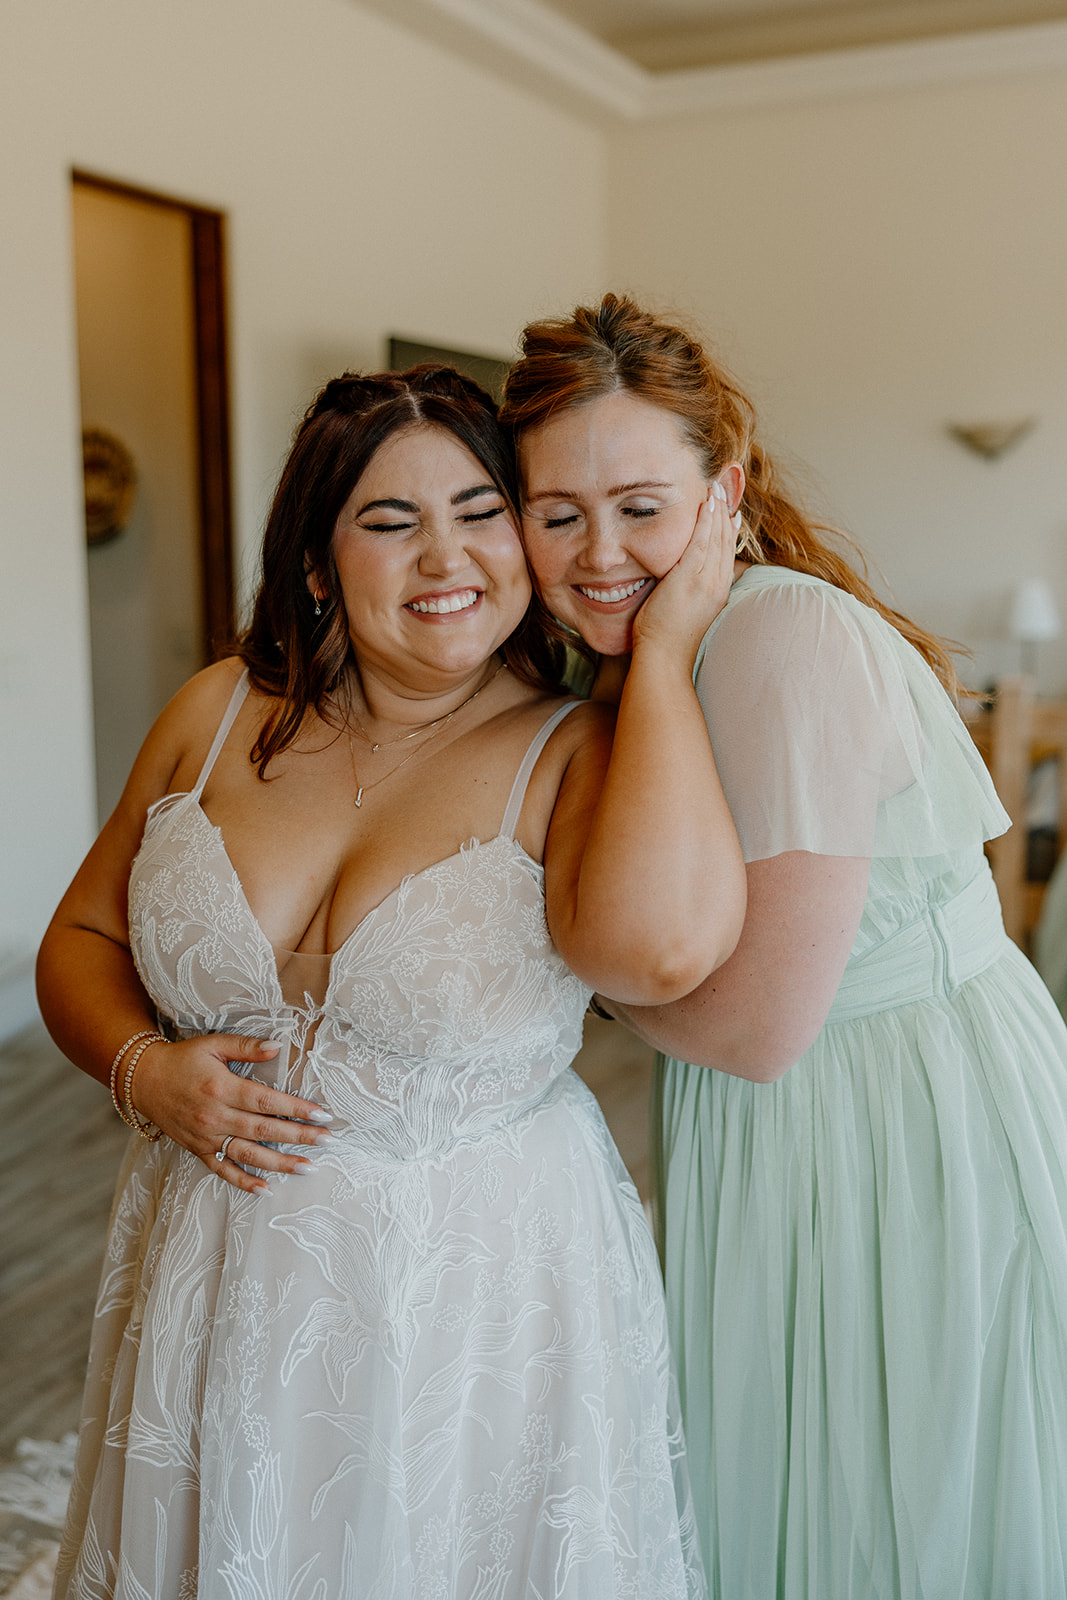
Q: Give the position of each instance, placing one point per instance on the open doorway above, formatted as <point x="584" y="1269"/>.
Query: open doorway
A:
<point x="150" y="297"/>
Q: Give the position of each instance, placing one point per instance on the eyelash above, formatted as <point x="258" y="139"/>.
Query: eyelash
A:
<point x="627" y="511"/>
<point x="402" y="527"/>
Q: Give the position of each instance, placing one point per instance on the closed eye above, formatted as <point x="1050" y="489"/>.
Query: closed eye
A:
<point x="482" y="516"/>
<point x="640" y="511"/>
<point x="561" y="522"/>
<point x="387" y="527"/>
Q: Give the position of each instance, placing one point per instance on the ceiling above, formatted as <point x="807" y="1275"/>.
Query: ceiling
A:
<point x="667" y="35"/>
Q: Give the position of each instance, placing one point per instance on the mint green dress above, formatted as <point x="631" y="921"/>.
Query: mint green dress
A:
<point x="866" y="1262"/>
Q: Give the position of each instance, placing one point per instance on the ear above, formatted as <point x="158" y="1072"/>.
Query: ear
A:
<point x="732" y="478"/>
<point x="311" y="578"/>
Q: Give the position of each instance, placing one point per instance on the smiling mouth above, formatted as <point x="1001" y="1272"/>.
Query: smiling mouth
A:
<point x="620" y="591"/>
<point x="444" y="604"/>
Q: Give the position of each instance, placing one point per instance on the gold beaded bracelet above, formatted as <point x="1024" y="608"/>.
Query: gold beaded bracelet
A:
<point x="143" y="1039"/>
<point x="145" y="1033"/>
<point x="145" y="1128"/>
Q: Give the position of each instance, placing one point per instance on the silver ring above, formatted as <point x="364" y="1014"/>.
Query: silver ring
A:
<point x="220" y="1153"/>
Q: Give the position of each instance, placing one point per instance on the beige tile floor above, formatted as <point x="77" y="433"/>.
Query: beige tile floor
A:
<point x="60" y="1145"/>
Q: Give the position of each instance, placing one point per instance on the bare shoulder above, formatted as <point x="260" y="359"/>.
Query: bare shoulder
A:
<point x="203" y="700"/>
<point x="579" y="744"/>
<point x="591" y="722"/>
<point x="181" y="735"/>
<point x="586" y="729"/>
<point x="585" y="737"/>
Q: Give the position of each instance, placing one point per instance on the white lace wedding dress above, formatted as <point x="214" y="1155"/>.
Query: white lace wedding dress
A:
<point x="436" y="1367"/>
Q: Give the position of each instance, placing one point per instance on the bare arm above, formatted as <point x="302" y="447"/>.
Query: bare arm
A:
<point x="92" y="999"/>
<point x="645" y="881"/>
<point x="757" y="1015"/>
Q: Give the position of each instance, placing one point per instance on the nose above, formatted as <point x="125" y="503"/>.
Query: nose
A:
<point x="442" y="551"/>
<point x="601" y="550"/>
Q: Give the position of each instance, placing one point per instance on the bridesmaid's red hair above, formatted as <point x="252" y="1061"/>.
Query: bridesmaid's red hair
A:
<point x="617" y="345"/>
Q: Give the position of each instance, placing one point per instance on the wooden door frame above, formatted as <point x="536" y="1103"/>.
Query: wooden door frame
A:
<point x="212" y="399"/>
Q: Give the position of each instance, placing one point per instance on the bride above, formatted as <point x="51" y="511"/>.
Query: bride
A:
<point x="380" y="1315"/>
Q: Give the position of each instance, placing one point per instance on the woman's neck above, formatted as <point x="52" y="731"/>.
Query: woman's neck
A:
<point x="386" y="706"/>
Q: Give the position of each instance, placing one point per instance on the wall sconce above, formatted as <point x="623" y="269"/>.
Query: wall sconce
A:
<point x="1034" y="618"/>
<point x="991" y="439"/>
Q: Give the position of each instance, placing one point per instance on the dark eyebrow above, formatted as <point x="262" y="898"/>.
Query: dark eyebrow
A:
<point x="464" y="495"/>
<point x="619" y="488"/>
<point x="409" y="506"/>
<point x="387" y="505"/>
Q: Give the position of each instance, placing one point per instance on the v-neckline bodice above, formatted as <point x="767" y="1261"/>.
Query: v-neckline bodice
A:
<point x="333" y="958"/>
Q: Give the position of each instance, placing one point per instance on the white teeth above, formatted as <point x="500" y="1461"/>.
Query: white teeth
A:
<point x="447" y="603"/>
<point x="623" y="592"/>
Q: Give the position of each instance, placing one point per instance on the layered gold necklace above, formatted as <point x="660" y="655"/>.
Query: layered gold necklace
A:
<point x="431" y="729"/>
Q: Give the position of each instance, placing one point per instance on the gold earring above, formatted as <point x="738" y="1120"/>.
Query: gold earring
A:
<point x="747" y="546"/>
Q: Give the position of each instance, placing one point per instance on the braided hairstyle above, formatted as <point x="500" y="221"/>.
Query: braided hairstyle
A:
<point x="617" y="345"/>
<point x="297" y="658"/>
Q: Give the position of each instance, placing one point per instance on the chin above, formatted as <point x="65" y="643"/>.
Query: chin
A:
<point x="608" y="641"/>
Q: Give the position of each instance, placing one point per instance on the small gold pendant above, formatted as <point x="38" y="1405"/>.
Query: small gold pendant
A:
<point x="359" y="798"/>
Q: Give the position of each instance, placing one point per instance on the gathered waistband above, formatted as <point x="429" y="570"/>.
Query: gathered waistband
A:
<point x="948" y="944"/>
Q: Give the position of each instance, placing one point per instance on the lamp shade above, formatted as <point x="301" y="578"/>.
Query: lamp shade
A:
<point x="1034" y="614"/>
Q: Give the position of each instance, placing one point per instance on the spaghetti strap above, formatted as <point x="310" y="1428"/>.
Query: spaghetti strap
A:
<point x="529" y="761"/>
<point x="237" y="700"/>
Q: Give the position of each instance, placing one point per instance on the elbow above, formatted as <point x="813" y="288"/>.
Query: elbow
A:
<point x="671" y="973"/>
<point x="644" y="977"/>
<point x="764" y="1067"/>
<point x="638" y="977"/>
<point x="52" y="977"/>
<point x="43" y="965"/>
<point x="657" y="966"/>
<point x="755" y="1055"/>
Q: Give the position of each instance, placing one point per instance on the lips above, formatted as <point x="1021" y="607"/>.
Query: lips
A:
<point x="618" y="592"/>
<point x="443" y="605"/>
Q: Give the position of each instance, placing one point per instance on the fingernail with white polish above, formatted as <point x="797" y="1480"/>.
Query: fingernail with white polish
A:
<point x="320" y="1116"/>
<point x="323" y="1138"/>
<point x="718" y="490"/>
<point x="737" y="520"/>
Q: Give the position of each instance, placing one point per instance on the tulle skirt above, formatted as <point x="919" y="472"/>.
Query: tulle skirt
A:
<point x="866" y="1269"/>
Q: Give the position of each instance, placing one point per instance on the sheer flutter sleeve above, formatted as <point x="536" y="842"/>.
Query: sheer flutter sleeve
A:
<point x="831" y="733"/>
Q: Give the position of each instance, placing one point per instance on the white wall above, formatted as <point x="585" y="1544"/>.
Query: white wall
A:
<point x="374" y="184"/>
<point x="872" y="269"/>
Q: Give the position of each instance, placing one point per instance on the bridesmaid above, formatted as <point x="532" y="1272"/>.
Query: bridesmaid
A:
<point x="863" y="1203"/>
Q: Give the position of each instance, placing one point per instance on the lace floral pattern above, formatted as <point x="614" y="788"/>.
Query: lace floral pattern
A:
<point x="437" y="1367"/>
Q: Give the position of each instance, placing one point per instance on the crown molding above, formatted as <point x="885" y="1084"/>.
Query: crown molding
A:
<point x="536" y="47"/>
<point x="533" y="45"/>
<point x="835" y="74"/>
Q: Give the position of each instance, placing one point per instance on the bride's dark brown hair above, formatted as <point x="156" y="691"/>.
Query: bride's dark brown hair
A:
<point x="616" y="345"/>
<point x="299" y="659"/>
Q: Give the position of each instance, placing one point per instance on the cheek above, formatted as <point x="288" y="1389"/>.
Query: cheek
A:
<point x="507" y="555"/>
<point x="548" y="558"/>
<point x="657" y="548"/>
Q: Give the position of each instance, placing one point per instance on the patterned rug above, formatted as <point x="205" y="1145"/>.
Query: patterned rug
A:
<point x="33" y="1500"/>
